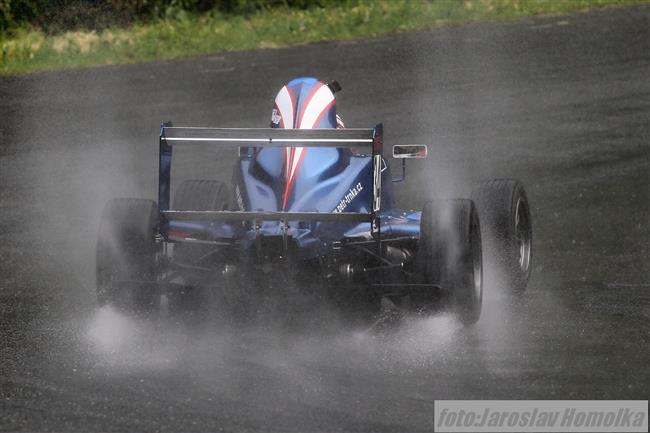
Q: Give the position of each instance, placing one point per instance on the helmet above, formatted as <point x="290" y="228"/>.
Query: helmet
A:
<point x="305" y="103"/>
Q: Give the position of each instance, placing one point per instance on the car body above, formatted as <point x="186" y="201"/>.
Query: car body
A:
<point x="309" y="201"/>
<point x="336" y="208"/>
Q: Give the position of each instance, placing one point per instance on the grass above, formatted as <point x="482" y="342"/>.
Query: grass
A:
<point x="30" y="50"/>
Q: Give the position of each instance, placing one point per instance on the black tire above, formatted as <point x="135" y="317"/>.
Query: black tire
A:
<point x="126" y="255"/>
<point x="199" y="194"/>
<point x="196" y="194"/>
<point x="507" y="232"/>
<point x="449" y="254"/>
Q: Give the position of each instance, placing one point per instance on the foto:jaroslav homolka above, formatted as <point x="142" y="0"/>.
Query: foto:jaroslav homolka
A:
<point x="570" y="417"/>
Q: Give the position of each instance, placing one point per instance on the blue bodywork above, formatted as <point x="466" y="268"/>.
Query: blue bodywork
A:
<point x="327" y="180"/>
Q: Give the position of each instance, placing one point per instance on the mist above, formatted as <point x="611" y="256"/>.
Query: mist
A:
<point x="554" y="106"/>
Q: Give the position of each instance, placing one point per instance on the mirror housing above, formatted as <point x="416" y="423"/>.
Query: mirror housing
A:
<point x="408" y="151"/>
<point x="402" y="151"/>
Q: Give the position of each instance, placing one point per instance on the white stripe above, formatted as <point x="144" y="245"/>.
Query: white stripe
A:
<point x="287" y="151"/>
<point x="285" y="105"/>
<point x="316" y="106"/>
<point x="296" y="158"/>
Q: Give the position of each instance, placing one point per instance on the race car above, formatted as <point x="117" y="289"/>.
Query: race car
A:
<point x="310" y="202"/>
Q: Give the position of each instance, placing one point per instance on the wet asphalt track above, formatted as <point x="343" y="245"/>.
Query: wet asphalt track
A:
<point x="561" y="103"/>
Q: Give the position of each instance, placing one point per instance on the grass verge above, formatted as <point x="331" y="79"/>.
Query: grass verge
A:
<point x="30" y="50"/>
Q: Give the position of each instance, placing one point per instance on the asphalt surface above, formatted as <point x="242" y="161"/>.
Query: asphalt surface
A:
<point x="561" y="103"/>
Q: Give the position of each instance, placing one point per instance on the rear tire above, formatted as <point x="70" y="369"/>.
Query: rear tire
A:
<point x="199" y="194"/>
<point x="449" y="254"/>
<point x="196" y="195"/>
<point x="126" y="255"/>
<point x="507" y="231"/>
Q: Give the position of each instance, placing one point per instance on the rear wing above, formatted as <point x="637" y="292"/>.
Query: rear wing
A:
<point x="270" y="137"/>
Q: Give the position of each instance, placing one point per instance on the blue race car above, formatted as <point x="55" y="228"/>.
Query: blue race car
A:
<point x="312" y="202"/>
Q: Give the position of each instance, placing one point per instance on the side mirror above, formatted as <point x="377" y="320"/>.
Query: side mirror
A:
<point x="406" y="151"/>
<point x="409" y="151"/>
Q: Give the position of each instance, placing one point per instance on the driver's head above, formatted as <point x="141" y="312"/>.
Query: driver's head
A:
<point x="305" y="103"/>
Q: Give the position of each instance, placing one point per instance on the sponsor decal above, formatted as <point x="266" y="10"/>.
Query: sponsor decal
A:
<point x="275" y="117"/>
<point x="345" y="201"/>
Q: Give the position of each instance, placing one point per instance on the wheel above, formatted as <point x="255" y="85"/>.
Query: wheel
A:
<point x="196" y="194"/>
<point x="507" y="231"/>
<point x="126" y="255"/>
<point x="200" y="194"/>
<point x="449" y="254"/>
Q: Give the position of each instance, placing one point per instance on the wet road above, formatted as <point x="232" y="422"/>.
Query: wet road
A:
<point x="562" y="103"/>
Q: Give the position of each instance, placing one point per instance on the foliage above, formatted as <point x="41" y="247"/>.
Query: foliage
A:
<point x="249" y="24"/>
<point x="58" y="16"/>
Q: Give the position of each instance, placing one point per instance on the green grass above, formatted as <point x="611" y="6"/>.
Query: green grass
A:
<point x="29" y="50"/>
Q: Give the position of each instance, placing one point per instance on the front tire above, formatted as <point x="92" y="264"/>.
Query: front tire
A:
<point x="126" y="255"/>
<point x="449" y="254"/>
